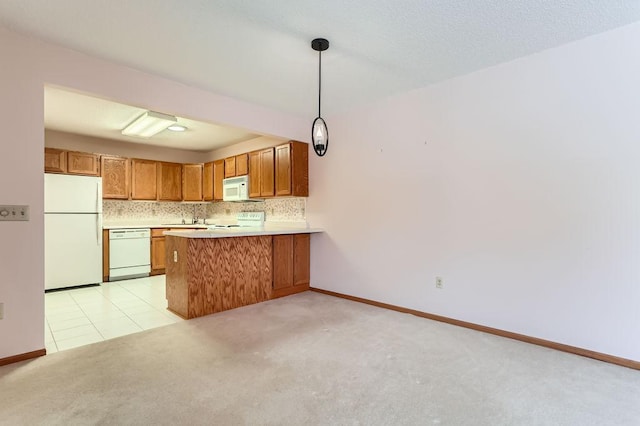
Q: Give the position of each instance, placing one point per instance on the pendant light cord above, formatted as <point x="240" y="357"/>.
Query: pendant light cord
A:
<point x="319" y="80"/>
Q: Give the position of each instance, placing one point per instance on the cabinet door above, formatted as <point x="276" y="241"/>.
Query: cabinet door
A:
<point x="207" y="181"/>
<point x="254" y="174"/>
<point x="266" y="173"/>
<point x="192" y="182"/>
<point x="83" y="163"/>
<point x="299" y="154"/>
<point x="218" y="176"/>
<point x="105" y="255"/>
<point x="242" y="164"/>
<point x="55" y="160"/>
<point x="143" y="179"/>
<point x="282" y="262"/>
<point x="283" y="170"/>
<point x="229" y="167"/>
<point x="169" y="181"/>
<point x="301" y="259"/>
<point x="115" y="177"/>
<point x="158" y="254"/>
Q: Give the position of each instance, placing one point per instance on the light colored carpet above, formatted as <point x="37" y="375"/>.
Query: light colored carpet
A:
<point x="315" y="359"/>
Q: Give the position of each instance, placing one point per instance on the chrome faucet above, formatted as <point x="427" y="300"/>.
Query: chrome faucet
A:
<point x="195" y="217"/>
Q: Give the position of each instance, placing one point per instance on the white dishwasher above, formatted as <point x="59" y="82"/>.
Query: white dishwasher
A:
<point x="129" y="253"/>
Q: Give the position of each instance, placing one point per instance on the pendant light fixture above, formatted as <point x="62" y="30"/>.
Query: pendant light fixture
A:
<point x="319" y="131"/>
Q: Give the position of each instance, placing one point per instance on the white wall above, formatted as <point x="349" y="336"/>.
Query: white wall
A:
<point x="27" y="65"/>
<point x="518" y="184"/>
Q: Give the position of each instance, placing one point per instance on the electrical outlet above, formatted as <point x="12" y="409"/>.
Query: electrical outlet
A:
<point x="1" y="311"/>
<point x="175" y="256"/>
<point x="438" y="282"/>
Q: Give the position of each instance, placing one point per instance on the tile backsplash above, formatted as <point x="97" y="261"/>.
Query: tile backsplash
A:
<point x="152" y="212"/>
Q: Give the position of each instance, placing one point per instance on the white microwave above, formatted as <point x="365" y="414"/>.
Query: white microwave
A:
<point x="236" y="189"/>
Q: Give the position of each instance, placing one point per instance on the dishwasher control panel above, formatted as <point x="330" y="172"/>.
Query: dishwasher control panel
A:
<point x="116" y="234"/>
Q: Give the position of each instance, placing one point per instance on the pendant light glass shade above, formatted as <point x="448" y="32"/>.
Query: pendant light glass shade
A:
<point x="319" y="130"/>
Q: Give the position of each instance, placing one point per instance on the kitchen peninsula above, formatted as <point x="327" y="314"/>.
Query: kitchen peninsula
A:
<point x="210" y="271"/>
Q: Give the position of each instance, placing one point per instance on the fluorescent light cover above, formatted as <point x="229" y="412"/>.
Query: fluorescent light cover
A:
<point x="149" y="124"/>
<point x="177" y="128"/>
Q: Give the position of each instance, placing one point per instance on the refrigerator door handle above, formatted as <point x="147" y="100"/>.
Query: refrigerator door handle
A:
<point x="98" y="196"/>
<point x="97" y="230"/>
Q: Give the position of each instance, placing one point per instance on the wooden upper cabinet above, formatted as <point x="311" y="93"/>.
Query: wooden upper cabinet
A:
<point x="192" y="182"/>
<point x="144" y="179"/>
<point x="116" y="177"/>
<point x="83" y="163"/>
<point x="266" y="173"/>
<point x="218" y="176"/>
<point x="254" y="174"/>
<point x="207" y="181"/>
<point x="169" y="181"/>
<point x="242" y="164"/>
<point x="229" y="167"/>
<point x="55" y="160"/>
<point x="292" y="169"/>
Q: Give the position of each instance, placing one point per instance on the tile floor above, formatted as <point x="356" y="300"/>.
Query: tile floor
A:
<point x="87" y="315"/>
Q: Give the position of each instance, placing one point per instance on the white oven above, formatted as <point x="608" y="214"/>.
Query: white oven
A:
<point x="129" y="253"/>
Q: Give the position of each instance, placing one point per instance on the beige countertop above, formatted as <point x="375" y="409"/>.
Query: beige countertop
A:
<point x="147" y="225"/>
<point x="241" y="232"/>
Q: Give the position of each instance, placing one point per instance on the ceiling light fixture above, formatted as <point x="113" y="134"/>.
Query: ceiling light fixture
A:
<point x="177" y="128"/>
<point x="319" y="130"/>
<point x="148" y="124"/>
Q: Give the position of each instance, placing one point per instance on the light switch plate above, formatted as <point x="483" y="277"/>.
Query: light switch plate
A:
<point x="11" y="213"/>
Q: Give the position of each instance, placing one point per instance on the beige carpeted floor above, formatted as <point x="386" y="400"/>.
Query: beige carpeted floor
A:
<point x="315" y="359"/>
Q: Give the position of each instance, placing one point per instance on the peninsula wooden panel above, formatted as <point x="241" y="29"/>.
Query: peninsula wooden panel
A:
<point x="301" y="260"/>
<point x="192" y="182"/>
<point x="207" y="181"/>
<point x="254" y="174"/>
<point x="219" y="274"/>
<point x="55" y="160"/>
<point x="144" y="179"/>
<point x="169" y="181"/>
<point x="218" y="177"/>
<point x="83" y="163"/>
<point x="116" y="177"/>
<point x="229" y="167"/>
<point x="242" y="164"/>
<point x="177" y="287"/>
<point x="196" y="279"/>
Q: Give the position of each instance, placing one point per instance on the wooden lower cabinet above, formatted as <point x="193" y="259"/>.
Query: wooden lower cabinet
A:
<point x="158" y="252"/>
<point x="105" y="255"/>
<point x="291" y="264"/>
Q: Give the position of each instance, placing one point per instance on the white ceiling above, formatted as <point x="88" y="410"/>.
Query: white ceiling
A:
<point x="77" y="113"/>
<point x="259" y="51"/>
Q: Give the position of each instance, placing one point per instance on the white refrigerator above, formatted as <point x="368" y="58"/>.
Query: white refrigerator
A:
<point x="72" y="230"/>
